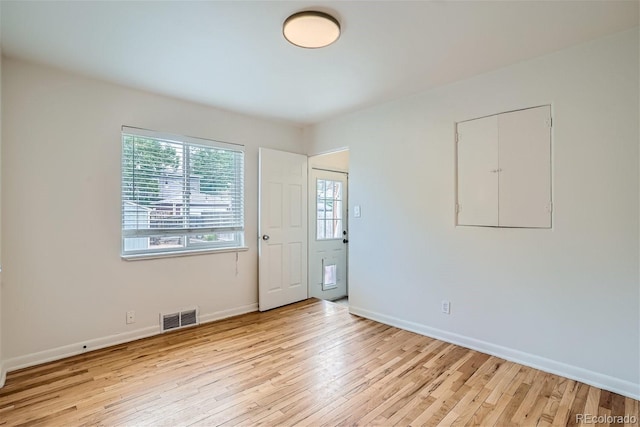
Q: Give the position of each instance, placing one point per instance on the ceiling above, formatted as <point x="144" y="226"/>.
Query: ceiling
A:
<point x="231" y="54"/>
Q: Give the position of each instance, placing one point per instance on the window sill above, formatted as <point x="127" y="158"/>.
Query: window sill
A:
<point x="157" y="255"/>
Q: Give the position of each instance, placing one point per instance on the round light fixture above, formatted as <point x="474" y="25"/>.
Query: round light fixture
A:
<point x="311" y="29"/>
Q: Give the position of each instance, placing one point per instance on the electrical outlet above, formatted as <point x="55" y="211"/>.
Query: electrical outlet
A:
<point x="131" y="317"/>
<point x="446" y="307"/>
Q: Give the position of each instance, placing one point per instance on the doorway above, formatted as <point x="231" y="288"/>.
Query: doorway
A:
<point x="328" y="226"/>
<point x="303" y="229"/>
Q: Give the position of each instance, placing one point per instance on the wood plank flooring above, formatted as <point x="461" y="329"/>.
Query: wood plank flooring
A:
<point x="307" y="364"/>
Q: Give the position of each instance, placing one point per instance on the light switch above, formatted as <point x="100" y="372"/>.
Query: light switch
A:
<point x="356" y="211"/>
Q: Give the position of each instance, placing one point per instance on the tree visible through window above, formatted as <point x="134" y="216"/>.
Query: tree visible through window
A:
<point x="180" y="193"/>
<point x="328" y="209"/>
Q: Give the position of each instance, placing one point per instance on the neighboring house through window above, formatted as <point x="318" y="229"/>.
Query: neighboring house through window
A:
<point x="180" y="194"/>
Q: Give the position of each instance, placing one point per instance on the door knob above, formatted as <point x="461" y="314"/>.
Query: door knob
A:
<point x="265" y="237"/>
<point x="345" y="241"/>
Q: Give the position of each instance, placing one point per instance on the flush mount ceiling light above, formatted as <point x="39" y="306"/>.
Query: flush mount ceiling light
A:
<point x="311" y="29"/>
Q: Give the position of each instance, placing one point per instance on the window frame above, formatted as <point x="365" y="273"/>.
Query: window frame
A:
<point x="324" y="220"/>
<point x="186" y="234"/>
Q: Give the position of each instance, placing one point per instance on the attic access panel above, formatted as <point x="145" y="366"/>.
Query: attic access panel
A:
<point x="504" y="170"/>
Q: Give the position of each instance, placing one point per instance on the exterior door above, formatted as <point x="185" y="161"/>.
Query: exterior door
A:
<point x="283" y="228"/>
<point x="328" y="234"/>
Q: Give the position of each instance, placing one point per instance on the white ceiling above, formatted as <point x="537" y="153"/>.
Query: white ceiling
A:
<point x="231" y="54"/>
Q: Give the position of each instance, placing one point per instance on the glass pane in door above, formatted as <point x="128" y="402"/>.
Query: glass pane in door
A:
<point x="329" y="209"/>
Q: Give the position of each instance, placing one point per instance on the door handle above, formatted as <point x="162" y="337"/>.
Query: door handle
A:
<point x="345" y="241"/>
<point x="265" y="237"/>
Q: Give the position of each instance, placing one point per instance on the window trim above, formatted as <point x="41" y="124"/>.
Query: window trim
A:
<point x="325" y="220"/>
<point x="238" y="244"/>
<point x="159" y="255"/>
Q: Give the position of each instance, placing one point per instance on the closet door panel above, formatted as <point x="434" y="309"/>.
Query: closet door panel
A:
<point x="477" y="172"/>
<point x="524" y="139"/>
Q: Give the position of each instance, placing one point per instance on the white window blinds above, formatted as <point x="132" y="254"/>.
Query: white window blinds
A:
<point x="180" y="193"/>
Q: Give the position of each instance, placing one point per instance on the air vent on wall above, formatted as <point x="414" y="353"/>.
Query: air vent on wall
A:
<point x="177" y="320"/>
<point x="188" y="318"/>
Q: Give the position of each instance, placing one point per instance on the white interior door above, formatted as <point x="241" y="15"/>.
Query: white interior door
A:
<point x="328" y="237"/>
<point x="283" y="228"/>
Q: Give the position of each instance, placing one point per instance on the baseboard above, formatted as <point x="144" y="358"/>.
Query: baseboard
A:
<point x="219" y="315"/>
<point x="58" y="353"/>
<point x="605" y="382"/>
<point x="3" y="374"/>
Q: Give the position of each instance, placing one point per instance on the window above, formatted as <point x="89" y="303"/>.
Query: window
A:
<point x="328" y="209"/>
<point x="180" y="194"/>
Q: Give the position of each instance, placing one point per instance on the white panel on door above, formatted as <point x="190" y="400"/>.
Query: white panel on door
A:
<point x="275" y="204"/>
<point x="275" y="267"/>
<point x="295" y="264"/>
<point x="525" y="168"/>
<point x="478" y="172"/>
<point x="295" y="214"/>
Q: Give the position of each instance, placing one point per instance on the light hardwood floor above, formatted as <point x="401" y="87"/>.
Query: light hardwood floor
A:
<point x="310" y="363"/>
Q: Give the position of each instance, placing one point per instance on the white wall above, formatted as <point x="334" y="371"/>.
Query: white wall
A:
<point x="565" y="299"/>
<point x="64" y="281"/>
<point x="2" y="371"/>
<point x="336" y="161"/>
